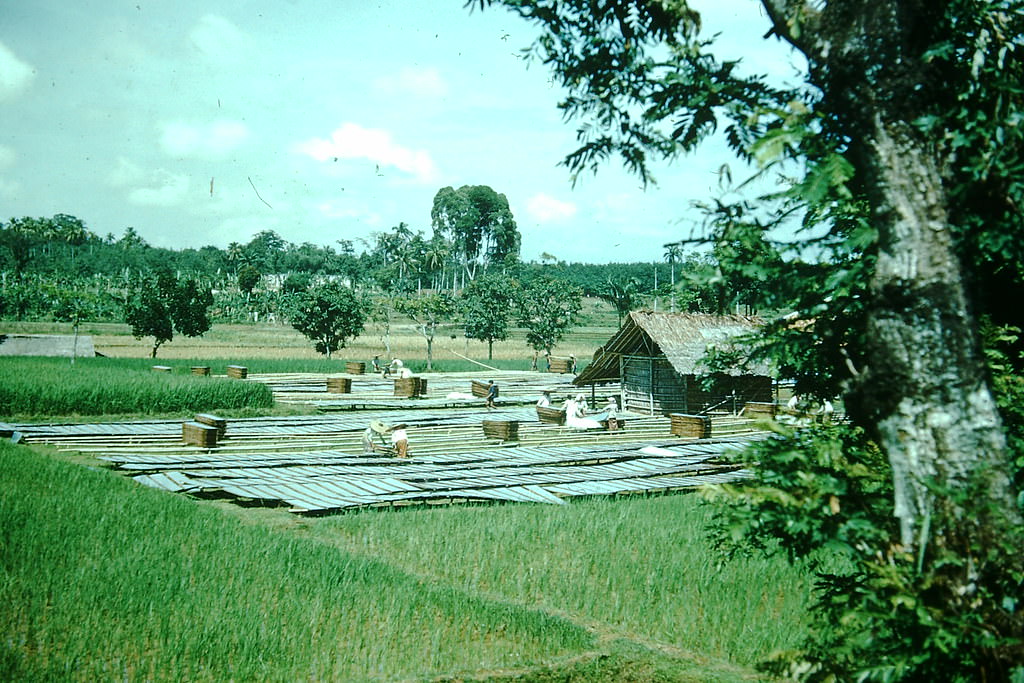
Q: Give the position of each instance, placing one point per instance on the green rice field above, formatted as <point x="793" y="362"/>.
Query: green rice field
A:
<point x="105" y="579"/>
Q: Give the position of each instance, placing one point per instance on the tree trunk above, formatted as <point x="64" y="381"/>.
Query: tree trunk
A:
<point x="924" y="392"/>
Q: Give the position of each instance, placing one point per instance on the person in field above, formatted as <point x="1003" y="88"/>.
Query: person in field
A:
<point x="492" y="394"/>
<point x="400" y="440"/>
<point x="373" y="438"/>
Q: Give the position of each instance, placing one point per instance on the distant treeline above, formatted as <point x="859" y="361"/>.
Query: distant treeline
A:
<point x="47" y="262"/>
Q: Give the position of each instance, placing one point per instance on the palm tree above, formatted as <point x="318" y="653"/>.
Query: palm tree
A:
<point x="673" y="252"/>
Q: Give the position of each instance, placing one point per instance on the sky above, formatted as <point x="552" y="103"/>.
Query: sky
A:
<point x="201" y="123"/>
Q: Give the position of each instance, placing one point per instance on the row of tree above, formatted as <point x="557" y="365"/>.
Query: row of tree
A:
<point x="331" y="314"/>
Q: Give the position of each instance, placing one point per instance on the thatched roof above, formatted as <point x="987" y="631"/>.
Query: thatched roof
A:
<point x="46" y="345"/>
<point x="683" y="338"/>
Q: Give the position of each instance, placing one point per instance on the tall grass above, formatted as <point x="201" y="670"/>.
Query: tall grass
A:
<point x="103" y="579"/>
<point x="97" y="386"/>
<point x="641" y="567"/>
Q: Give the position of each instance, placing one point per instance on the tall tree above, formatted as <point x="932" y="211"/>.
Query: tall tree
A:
<point x="906" y="148"/>
<point x="478" y="222"/>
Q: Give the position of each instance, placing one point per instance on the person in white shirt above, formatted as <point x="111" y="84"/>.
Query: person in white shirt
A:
<point x="400" y="440"/>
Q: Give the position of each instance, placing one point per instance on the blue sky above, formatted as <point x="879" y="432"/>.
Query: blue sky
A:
<point x="204" y="123"/>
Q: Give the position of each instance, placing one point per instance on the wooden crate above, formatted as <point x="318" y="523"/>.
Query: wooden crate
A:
<point x="694" y="426"/>
<point x="162" y="368"/>
<point x="504" y="430"/>
<point x="760" y="410"/>
<point x="339" y="385"/>
<point x="198" y="434"/>
<point x="353" y="367"/>
<point x="213" y="421"/>
<point x="551" y="415"/>
<point x="410" y="386"/>
<point x="479" y="389"/>
<point x="238" y="371"/>
<point x="201" y="370"/>
<point x="559" y="364"/>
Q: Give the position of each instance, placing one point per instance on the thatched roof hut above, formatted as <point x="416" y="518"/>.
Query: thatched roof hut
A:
<point x="658" y="358"/>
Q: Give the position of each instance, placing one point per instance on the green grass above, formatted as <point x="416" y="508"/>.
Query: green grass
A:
<point x="35" y="387"/>
<point x="641" y="567"/>
<point x="103" y="579"/>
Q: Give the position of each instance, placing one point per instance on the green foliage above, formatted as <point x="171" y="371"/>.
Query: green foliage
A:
<point x="248" y="278"/>
<point x="487" y="304"/>
<point x="824" y="494"/>
<point x="329" y="315"/>
<point x="548" y="309"/>
<point x="478" y="222"/>
<point x="623" y="296"/>
<point x="429" y="313"/>
<point x="161" y="306"/>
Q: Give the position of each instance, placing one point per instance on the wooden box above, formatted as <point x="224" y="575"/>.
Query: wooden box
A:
<point x="559" y="365"/>
<point x="201" y="370"/>
<point x="503" y="430"/>
<point x="551" y="415"/>
<point x="198" y="434"/>
<point x="355" y="367"/>
<point x="480" y="389"/>
<point x="339" y="385"/>
<point x="238" y="371"/>
<point x="759" y="410"/>
<point x="692" y="426"/>
<point x="410" y="386"/>
<point x="213" y="421"/>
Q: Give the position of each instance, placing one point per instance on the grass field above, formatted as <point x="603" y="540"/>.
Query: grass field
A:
<point x="266" y="340"/>
<point x="104" y="579"/>
<point x="101" y="578"/>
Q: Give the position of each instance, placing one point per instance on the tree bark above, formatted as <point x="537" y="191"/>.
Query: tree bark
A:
<point x="925" y="392"/>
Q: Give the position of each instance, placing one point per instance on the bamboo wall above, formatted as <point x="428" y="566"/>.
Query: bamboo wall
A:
<point x="650" y="385"/>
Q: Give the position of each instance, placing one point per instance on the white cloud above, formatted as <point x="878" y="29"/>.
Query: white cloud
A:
<point x="15" y="75"/>
<point x="126" y="173"/>
<point x="334" y="210"/>
<point x="420" y="81"/>
<point x="7" y="156"/>
<point x="204" y="141"/>
<point x="352" y="141"/>
<point x="218" y="39"/>
<point x="168" y="189"/>
<point x="545" y="209"/>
